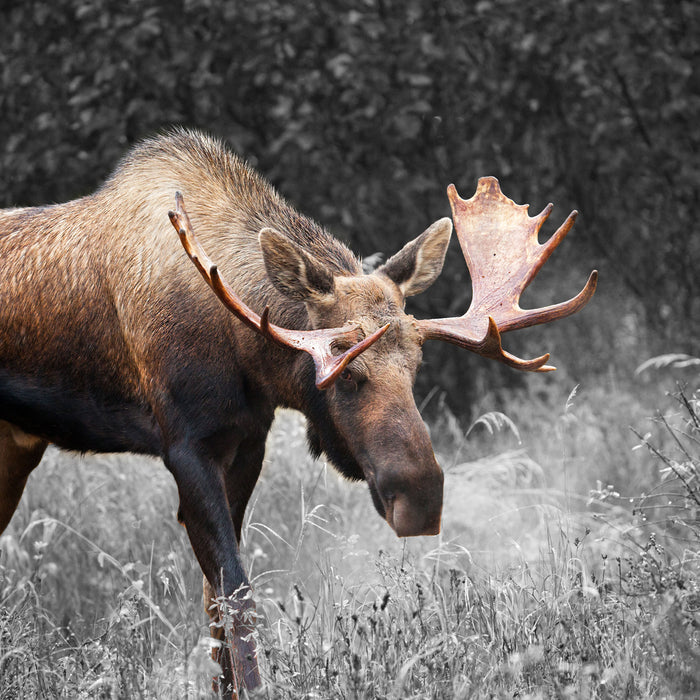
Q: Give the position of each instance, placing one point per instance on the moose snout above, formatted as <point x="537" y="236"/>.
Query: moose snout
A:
<point x="410" y="520"/>
<point x="413" y="505"/>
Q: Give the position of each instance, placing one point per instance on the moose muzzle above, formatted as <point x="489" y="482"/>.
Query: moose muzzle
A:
<point x="411" y="502"/>
<point x="409" y="519"/>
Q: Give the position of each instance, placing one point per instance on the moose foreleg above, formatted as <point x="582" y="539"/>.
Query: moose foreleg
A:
<point x="204" y="511"/>
<point x="232" y="626"/>
<point x="240" y="480"/>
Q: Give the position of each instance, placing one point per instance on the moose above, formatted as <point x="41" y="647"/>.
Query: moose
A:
<point x="110" y="342"/>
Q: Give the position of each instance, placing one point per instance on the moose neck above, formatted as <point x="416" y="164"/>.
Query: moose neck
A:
<point x="229" y="204"/>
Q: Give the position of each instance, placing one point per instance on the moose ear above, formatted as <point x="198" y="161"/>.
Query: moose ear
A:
<point x="417" y="265"/>
<point x="294" y="272"/>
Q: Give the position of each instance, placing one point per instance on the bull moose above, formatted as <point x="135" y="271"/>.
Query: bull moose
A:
<point x="110" y="342"/>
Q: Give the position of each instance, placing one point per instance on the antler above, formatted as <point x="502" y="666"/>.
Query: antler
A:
<point x="318" y="343"/>
<point x="499" y="242"/>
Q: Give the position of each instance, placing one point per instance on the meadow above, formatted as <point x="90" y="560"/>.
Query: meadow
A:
<point x="567" y="566"/>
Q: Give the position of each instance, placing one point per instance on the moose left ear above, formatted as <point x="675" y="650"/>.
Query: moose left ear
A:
<point x="294" y="272"/>
<point x="417" y="265"/>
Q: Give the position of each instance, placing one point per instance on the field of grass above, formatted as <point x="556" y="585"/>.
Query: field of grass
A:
<point x="567" y="566"/>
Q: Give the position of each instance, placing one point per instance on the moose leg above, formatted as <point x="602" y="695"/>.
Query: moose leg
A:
<point x="239" y="480"/>
<point x="204" y="511"/>
<point x="19" y="454"/>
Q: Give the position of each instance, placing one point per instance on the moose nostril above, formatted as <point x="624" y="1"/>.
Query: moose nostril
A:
<point x="413" y="506"/>
<point x="411" y="519"/>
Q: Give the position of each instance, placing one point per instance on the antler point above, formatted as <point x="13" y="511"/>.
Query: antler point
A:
<point x="453" y="195"/>
<point x="265" y="320"/>
<point x="544" y="214"/>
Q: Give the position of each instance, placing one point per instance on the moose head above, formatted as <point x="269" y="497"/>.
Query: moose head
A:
<point x="366" y="350"/>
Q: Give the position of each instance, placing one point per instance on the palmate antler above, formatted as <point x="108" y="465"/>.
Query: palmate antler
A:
<point x="318" y="343"/>
<point x="499" y="242"/>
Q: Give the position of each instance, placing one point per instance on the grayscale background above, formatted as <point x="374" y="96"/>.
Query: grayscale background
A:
<point x="568" y="561"/>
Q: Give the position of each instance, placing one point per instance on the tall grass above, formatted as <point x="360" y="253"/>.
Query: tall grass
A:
<point x="567" y="567"/>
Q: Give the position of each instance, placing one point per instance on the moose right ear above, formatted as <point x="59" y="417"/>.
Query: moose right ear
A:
<point x="417" y="265"/>
<point x="294" y="272"/>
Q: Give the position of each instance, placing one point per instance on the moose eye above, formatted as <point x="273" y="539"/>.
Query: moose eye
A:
<point x="346" y="381"/>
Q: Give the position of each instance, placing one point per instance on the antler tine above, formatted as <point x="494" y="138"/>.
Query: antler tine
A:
<point x="452" y="331"/>
<point x="499" y="242"/>
<point x="316" y="342"/>
<point x="545" y="314"/>
<point x="546" y="249"/>
<point x="335" y="364"/>
<point x="491" y="347"/>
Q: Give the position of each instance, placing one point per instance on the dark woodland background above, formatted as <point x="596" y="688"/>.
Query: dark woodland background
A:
<point x="362" y="112"/>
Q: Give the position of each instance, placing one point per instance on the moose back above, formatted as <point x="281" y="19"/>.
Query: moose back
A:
<point x="110" y="341"/>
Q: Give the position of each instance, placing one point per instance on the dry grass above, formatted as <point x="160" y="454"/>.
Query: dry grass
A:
<point x="567" y="567"/>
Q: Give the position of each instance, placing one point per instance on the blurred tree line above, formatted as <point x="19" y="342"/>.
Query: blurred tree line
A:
<point x="361" y="112"/>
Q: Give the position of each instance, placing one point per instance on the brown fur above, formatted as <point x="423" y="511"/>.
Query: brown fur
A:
<point x="110" y="341"/>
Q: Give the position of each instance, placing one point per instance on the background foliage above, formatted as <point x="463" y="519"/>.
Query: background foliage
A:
<point x="361" y="113"/>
